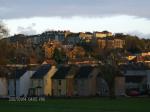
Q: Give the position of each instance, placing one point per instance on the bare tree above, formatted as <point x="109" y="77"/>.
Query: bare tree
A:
<point x="3" y="30"/>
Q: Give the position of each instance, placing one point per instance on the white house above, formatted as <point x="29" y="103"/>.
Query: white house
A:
<point x="137" y="79"/>
<point x="20" y="82"/>
<point x="148" y="79"/>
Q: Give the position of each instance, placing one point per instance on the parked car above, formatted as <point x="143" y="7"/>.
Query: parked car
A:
<point x="133" y="93"/>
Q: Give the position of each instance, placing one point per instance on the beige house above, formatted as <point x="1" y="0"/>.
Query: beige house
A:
<point x="102" y="34"/>
<point x="119" y="43"/>
<point x="120" y="85"/>
<point x="59" y="82"/>
<point x="110" y="42"/>
<point x="41" y="81"/>
<point x="85" y="81"/>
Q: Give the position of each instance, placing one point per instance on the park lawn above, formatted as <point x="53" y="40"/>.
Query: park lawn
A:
<point x="79" y="105"/>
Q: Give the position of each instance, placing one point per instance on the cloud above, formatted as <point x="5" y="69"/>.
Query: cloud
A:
<point x="139" y="34"/>
<point x="115" y="24"/>
<point x="27" y="30"/>
<point x="69" y="8"/>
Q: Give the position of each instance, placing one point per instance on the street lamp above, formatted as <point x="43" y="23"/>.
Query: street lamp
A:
<point x="15" y="76"/>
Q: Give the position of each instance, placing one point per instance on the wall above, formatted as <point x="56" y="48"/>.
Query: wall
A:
<point x="38" y="83"/>
<point x="18" y="87"/>
<point x="3" y="86"/>
<point x="25" y="83"/>
<point x="59" y="90"/>
<point x="11" y="87"/>
<point x="148" y="79"/>
<point x="70" y="86"/>
<point x="83" y="87"/>
<point x="92" y="81"/>
<point x="101" y="87"/>
<point x="119" y="86"/>
<point x="48" y="81"/>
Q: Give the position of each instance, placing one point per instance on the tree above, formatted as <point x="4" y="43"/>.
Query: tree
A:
<point x="110" y="69"/>
<point x="3" y="30"/>
<point x="58" y="55"/>
<point x="7" y="51"/>
<point x="76" y="52"/>
<point x="108" y="73"/>
<point x="134" y="44"/>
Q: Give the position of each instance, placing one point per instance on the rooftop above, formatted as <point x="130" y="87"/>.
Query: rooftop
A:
<point x="62" y="72"/>
<point x="42" y="71"/>
<point x="84" y="71"/>
<point x="18" y="73"/>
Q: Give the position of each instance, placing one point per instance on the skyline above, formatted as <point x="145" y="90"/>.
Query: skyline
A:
<point x="30" y="17"/>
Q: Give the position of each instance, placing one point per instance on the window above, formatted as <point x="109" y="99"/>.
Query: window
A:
<point x="59" y="91"/>
<point x="39" y="82"/>
<point x="148" y="86"/>
<point x="59" y="82"/>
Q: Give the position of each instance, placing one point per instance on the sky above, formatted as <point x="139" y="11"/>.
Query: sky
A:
<point x="36" y="16"/>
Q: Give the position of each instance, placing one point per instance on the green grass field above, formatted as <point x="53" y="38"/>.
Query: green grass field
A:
<point x="79" y="105"/>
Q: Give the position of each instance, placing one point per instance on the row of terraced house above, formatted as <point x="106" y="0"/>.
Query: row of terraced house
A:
<point x="65" y="80"/>
<point x="71" y="80"/>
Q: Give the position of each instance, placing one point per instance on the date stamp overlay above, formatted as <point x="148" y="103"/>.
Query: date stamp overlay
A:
<point x="27" y="99"/>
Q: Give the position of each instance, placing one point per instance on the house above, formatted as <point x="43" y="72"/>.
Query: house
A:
<point x="49" y="61"/>
<point x="138" y="59"/>
<point x="130" y="57"/>
<point x="110" y="42"/>
<point x="53" y="35"/>
<point x="41" y="80"/>
<point x="17" y="83"/>
<point x="102" y="88"/>
<point x="4" y="71"/>
<point x="119" y="85"/>
<point x="85" y="60"/>
<point x="86" y="37"/>
<point x="85" y="81"/>
<point x="102" y="34"/>
<point x="101" y="43"/>
<point x="3" y="85"/>
<point x="25" y="82"/>
<point x="70" y="79"/>
<point x="137" y="80"/>
<point x="119" y="43"/>
<point x="63" y="81"/>
<point x="59" y="81"/>
<point x="73" y="38"/>
<point x="145" y="54"/>
<point x="148" y="80"/>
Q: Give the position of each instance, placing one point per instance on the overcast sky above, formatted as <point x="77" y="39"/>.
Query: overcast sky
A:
<point x="35" y="16"/>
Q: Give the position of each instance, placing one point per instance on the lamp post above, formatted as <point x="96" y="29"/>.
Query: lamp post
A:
<point x="15" y="76"/>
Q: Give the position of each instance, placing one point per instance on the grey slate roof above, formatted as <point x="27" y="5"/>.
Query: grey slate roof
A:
<point x="84" y="71"/>
<point x="62" y="72"/>
<point x="18" y="73"/>
<point x="42" y="71"/>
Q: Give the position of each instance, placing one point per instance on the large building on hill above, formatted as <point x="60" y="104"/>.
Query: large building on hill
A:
<point x="110" y="42"/>
<point x="102" y="34"/>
